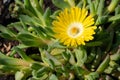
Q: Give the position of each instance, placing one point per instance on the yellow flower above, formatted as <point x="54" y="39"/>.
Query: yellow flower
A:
<point x="74" y="27"/>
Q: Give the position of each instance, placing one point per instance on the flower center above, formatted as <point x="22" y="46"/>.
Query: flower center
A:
<point x="75" y="30"/>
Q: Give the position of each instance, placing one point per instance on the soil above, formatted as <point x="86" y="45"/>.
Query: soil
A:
<point x="7" y="77"/>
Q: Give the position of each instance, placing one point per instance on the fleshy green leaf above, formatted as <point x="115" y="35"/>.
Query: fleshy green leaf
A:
<point x="19" y="75"/>
<point x="49" y="59"/>
<point x="36" y="66"/>
<point x="66" y="55"/>
<point x="55" y="14"/>
<point x="100" y="8"/>
<point x="7" y="33"/>
<point x="92" y="7"/>
<point x="40" y="74"/>
<point x="113" y="5"/>
<point x="92" y="76"/>
<point x="114" y="18"/>
<point x="7" y="36"/>
<point x="5" y="60"/>
<point x="91" y="56"/>
<point x="29" y="6"/>
<point x="31" y="20"/>
<point x="18" y="26"/>
<point x="81" y="56"/>
<point x="40" y="31"/>
<point x="53" y="77"/>
<point x="80" y="71"/>
<point x="30" y="40"/>
<point x="35" y="4"/>
<point x="60" y="4"/>
<point x="115" y="56"/>
<point x="22" y="54"/>
<point x="104" y="64"/>
<point x="101" y="20"/>
<point x="46" y="16"/>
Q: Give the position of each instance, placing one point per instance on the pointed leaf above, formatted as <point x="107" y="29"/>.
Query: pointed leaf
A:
<point x="81" y="56"/>
<point x="31" y="40"/>
<point x="19" y="75"/>
<point x="60" y="4"/>
<point x="22" y="54"/>
<point x="46" y="16"/>
<point x="7" y="31"/>
<point x="53" y="77"/>
<point x="7" y="36"/>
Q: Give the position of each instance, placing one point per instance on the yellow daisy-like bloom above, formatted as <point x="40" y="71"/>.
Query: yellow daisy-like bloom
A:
<point x="74" y="27"/>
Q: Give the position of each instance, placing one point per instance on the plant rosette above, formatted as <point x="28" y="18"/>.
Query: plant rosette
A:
<point x="79" y="40"/>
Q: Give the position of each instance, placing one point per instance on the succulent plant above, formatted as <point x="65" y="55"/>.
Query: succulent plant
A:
<point x="79" y="40"/>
